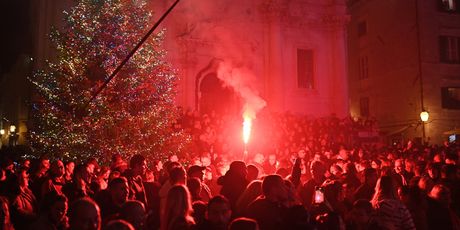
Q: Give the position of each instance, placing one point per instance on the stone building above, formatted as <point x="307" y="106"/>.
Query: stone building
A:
<point x="292" y="53"/>
<point x="404" y="57"/>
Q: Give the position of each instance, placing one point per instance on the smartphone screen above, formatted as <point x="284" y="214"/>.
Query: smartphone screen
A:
<point x="452" y="138"/>
<point x="319" y="196"/>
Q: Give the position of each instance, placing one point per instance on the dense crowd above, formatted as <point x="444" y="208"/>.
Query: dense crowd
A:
<point x="306" y="174"/>
<point x="279" y="133"/>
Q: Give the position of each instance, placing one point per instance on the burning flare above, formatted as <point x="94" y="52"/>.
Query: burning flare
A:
<point x="239" y="79"/>
<point x="247" y="124"/>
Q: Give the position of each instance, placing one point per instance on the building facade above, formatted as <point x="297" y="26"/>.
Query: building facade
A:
<point x="15" y="66"/>
<point x="404" y="58"/>
<point x="290" y="53"/>
<point x="281" y="55"/>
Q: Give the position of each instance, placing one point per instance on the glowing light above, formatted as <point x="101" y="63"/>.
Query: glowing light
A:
<point x="247" y="125"/>
<point x="424" y="116"/>
<point x="319" y="196"/>
<point x="2" y="131"/>
<point x="12" y="128"/>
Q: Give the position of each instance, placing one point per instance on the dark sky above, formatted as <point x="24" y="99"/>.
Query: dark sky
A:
<point x="15" y="33"/>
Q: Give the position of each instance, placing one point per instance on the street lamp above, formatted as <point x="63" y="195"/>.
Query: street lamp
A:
<point x="424" y="115"/>
<point x="2" y="132"/>
<point x="12" y="128"/>
<point x="13" y="137"/>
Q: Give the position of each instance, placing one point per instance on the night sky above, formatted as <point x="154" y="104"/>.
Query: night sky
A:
<point x="16" y="32"/>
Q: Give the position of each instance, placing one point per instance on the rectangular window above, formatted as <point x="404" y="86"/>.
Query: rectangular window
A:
<point x="449" y="49"/>
<point x="364" y="106"/>
<point x="450" y="97"/>
<point x="448" y="5"/>
<point x="362" y="28"/>
<point x="305" y="69"/>
<point x="363" y="68"/>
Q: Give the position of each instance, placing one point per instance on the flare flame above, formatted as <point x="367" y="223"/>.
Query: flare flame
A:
<point x="247" y="125"/>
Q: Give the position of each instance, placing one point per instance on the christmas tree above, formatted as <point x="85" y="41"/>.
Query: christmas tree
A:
<point x="134" y="114"/>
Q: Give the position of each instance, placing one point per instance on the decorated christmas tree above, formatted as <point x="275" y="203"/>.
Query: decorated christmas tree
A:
<point x="135" y="113"/>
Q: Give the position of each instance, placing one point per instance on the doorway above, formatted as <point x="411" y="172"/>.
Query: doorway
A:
<point x="214" y="96"/>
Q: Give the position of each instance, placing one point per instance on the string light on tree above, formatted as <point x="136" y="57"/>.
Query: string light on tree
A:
<point x="135" y="112"/>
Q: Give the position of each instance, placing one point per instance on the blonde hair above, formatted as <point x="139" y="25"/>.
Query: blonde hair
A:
<point x="178" y="205"/>
<point x="384" y="189"/>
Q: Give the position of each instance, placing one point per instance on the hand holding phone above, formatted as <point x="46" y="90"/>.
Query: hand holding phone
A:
<point x="319" y="195"/>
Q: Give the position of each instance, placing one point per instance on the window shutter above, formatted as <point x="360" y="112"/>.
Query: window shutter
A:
<point x="443" y="48"/>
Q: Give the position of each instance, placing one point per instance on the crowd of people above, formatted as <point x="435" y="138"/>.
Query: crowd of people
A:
<point x="314" y="176"/>
<point x="278" y="132"/>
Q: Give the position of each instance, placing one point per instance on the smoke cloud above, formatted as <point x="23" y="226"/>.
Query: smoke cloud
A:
<point x="237" y="79"/>
<point x="223" y="25"/>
